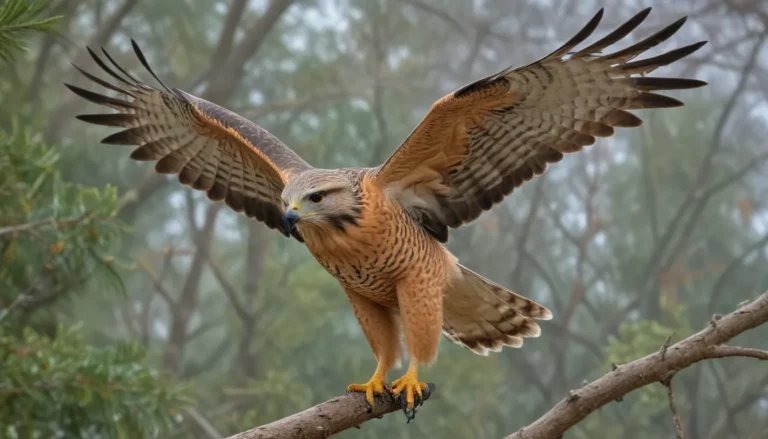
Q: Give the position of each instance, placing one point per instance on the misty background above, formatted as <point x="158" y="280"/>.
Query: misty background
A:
<point x="141" y="293"/>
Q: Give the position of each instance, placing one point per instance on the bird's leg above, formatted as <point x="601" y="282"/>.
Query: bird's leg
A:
<point x="383" y="334"/>
<point x="420" y="302"/>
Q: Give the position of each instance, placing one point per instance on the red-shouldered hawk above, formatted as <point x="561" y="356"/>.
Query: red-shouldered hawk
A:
<point x="379" y="231"/>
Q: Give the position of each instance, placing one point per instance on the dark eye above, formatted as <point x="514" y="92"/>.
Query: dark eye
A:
<point x="317" y="197"/>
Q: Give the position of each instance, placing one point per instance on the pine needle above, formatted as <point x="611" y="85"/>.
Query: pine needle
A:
<point x="18" y="17"/>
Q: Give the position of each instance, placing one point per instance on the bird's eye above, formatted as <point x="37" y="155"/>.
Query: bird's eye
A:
<point x="317" y="197"/>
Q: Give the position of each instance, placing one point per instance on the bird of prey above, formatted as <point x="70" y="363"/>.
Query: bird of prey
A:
<point x="380" y="231"/>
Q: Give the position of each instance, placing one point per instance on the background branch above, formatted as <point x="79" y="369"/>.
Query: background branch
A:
<point x="349" y="411"/>
<point x="673" y="407"/>
<point x="652" y="368"/>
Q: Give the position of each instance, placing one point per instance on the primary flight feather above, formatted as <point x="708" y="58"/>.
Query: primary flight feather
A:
<point x="379" y="231"/>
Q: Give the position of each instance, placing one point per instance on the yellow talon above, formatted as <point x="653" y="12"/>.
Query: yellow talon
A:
<point x="411" y="385"/>
<point x="374" y="386"/>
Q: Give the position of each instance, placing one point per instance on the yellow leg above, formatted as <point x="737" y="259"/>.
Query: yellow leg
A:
<point x="380" y="328"/>
<point x="410" y="384"/>
<point x="420" y="302"/>
<point x="374" y="386"/>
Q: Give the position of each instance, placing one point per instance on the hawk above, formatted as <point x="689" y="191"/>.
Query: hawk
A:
<point x="380" y="231"/>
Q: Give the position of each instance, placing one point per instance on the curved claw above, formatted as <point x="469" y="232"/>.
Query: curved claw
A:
<point x="374" y="386"/>
<point x="410" y="413"/>
<point x="411" y="393"/>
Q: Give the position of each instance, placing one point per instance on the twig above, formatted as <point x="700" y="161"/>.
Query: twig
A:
<point x="27" y="226"/>
<point x="664" y="347"/>
<point x="591" y="346"/>
<point x="672" y="407"/>
<point x="203" y="423"/>
<point x="61" y="223"/>
<point x="438" y="12"/>
<point x="719" y="286"/>
<point x="736" y="351"/>
<point x="24" y="296"/>
<point x="706" y="344"/>
<point x="16" y="302"/>
<point x="730" y="416"/>
<point x="157" y="283"/>
<point x="230" y="291"/>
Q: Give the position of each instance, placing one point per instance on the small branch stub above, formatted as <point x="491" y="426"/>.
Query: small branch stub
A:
<point x="663" y="350"/>
<point x="667" y="382"/>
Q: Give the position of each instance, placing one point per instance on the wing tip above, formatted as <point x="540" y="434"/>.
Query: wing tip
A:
<point x="145" y="63"/>
<point x="599" y="15"/>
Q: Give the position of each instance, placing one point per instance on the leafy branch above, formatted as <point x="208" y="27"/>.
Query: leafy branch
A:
<point x="18" y="17"/>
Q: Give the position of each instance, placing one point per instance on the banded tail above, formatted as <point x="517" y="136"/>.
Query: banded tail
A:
<point x="484" y="316"/>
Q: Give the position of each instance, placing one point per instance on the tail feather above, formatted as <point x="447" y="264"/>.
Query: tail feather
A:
<point x="484" y="316"/>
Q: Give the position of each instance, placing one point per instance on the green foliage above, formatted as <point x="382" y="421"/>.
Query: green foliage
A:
<point x="637" y="339"/>
<point x="18" y="17"/>
<point x="55" y="241"/>
<point x="55" y="238"/>
<point x="54" y="235"/>
<point x="62" y="387"/>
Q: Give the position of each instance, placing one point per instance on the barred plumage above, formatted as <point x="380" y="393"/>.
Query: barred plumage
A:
<point x="209" y="147"/>
<point x="479" y="143"/>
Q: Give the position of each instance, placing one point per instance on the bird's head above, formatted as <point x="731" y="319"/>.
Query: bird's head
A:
<point x="320" y="197"/>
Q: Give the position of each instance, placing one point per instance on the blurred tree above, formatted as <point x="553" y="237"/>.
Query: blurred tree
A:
<point x="55" y="238"/>
<point x="643" y="234"/>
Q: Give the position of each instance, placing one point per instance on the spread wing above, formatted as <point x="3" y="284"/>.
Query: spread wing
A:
<point x="480" y="142"/>
<point x="210" y="148"/>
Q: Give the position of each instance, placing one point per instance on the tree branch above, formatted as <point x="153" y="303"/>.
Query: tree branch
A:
<point x="203" y="424"/>
<point x="61" y="223"/>
<point x="157" y="282"/>
<point x="328" y="418"/>
<point x="673" y="407"/>
<point x="730" y="416"/>
<point x="438" y="12"/>
<point x="652" y="368"/>
<point x="222" y="85"/>
<point x="186" y="303"/>
<point x="227" y="37"/>
<point x="229" y="290"/>
<point x="348" y="411"/>
<point x="736" y="351"/>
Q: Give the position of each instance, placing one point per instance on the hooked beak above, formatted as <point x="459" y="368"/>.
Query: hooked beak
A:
<point x="290" y="218"/>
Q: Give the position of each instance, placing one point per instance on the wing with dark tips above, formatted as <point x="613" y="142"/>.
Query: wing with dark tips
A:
<point x="477" y="144"/>
<point x="210" y="148"/>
